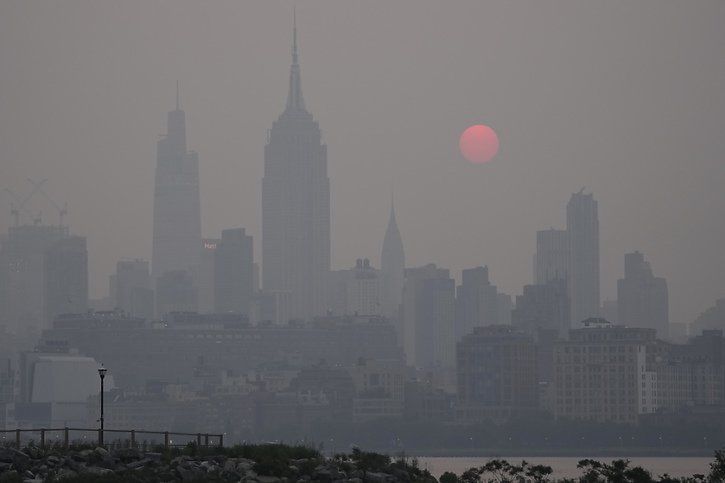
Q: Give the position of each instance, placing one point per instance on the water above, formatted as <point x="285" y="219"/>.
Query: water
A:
<point x="565" y="466"/>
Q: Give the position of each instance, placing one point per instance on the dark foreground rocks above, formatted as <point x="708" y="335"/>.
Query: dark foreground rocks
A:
<point x="262" y="464"/>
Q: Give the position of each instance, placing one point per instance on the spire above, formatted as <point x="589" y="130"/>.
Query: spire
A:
<point x="294" y="98"/>
<point x="294" y="35"/>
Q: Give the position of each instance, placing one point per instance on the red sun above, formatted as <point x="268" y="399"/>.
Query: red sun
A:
<point x="478" y="144"/>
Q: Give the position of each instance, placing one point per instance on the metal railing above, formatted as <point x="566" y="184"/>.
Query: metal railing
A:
<point x="201" y="439"/>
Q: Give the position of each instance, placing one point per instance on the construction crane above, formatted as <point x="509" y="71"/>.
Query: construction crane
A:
<point x="19" y="205"/>
<point x="38" y="188"/>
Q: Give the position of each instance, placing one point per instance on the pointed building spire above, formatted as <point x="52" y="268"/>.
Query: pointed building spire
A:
<point x="294" y="35"/>
<point x="294" y="98"/>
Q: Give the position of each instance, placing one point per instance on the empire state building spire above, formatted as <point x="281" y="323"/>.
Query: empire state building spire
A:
<point x="294" y="98"/>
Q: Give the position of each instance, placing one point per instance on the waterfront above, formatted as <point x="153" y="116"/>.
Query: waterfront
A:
<point x="565" y="466"/>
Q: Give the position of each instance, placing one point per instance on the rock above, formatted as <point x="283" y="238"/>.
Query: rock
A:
<point x="134" y="465"/>
<point x="52" y="460"/>
<point x="4" y="466"/>
<point x="11" y="455"/>
<point x="268" y="479"/>
<point x="126" y="455"/>
<point x="27" y="474"/>
<point x="65" y="473"/>
<point x="95" y="470"/>
<point x="101" y="452"/>
<point x="371" y="477"/>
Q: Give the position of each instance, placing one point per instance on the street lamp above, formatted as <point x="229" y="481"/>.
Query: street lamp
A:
<point x="101" y="372"/>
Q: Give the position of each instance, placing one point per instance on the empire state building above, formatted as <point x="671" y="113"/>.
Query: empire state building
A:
<point x="296" y="206"/>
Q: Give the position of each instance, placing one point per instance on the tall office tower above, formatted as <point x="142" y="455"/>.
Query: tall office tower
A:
<point x="22" y="275"/>
<point x="552" y="256"/>
<point x="641" y="297"/>
<point x="476" y="302"/>
<point x="392" y="270"/>
<point x="133" y="288"/>
<point x="176" y="292"/>
<point x="296" y="206"/>
<point x="428" y="309"/>
<point x="177" y="212"/>
<point x="233" y="272"/>
<point x="355" y="291"/>
<point x="582" y="223"/>
<point x="543" y="307"/>
<point x="66" y="278"/>
<point x="205" y="277"/>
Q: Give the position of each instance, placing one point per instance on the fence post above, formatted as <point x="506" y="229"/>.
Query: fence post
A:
<point x="166" y="440"/>
<point x="198" y="440"/>
<point x="42" y="438"/>
<point x="206" y="440"/>
<point x="133" y="438"/>
<point x="17" y="438"/>
<point x="65" y="437"/>
<point x="100" y="437"/>
<point x="221" y="440"/>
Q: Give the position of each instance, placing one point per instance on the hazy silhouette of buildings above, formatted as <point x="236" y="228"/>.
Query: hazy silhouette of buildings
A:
<point x="133" y="288"/>
<point x="233" y="272"/>
<point x="428" y="310"/>
<point x="177" y="207"/>
<point x="602" y="374"/>
<point x="392" y="270"/>
<point x="476" y="301"/>
<point x="205" y="278"/>
<point x="66" y="278"/>
<point x="552" y="255"/>
<point x="497" y="373"/>
<point x="355" y="291"/>
<point x="543" y="307"/>
<point x="582" y="224"/>
<point x="296" y="206"/>
<point x="176" y="292"/>
<point x="712" y="318"/>
<point x="641" y="297"/>
<point x="22" y="274"/>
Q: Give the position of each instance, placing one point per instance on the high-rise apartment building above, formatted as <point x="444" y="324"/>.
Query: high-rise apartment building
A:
<point x="552" y="256"/>
<point x="543" y="307"/>
<point x="355" y="291"/>
<point x="133" y="288"/>
<point x="22" y="274"/>
<point x="476" y="301"/>
<point x="66" y="278"/>
<point x="296" y="206"/>
<point x="233" y="272"/>
<point x="582" y="224"/>
<point x="642" y="299"/>
<point x="497" y="373"/>
<point x="177" y="207"/>
<point x="392" y="270"/>
<point x="428" y="308"/>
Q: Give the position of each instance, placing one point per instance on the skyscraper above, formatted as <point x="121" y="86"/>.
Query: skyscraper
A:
<point x="392" y="270"/>
<point x="641" y="297"/>
<point x="177" y="210"/>
<point x="428" y="311"/>
<point x="476" y="301"/>
<point x="552" y="256"/>
<point x="296" y="205"/>
<point x="133" y="288"/>
<point x="582" y="224"/>
<point x="22" y="274"/>
<point x="233" y="272"/>
<point x="66" y="278"/>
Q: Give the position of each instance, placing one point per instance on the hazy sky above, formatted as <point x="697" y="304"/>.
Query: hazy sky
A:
<point x="624" y="98"/>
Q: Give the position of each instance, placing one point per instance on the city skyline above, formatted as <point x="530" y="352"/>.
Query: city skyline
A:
<point x="430" y="179"/>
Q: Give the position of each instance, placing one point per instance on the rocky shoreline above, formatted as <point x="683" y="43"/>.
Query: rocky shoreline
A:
<point x="243" y="464"/>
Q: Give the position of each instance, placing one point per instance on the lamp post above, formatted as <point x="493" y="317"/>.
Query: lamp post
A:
<point x="101" y="372"/>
